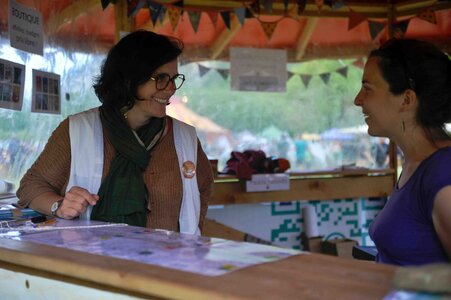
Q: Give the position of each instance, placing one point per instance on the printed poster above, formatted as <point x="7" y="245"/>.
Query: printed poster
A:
<point x="262" y="70"/>
<point x="46" y="96"/>
<point x="12" y="82"/>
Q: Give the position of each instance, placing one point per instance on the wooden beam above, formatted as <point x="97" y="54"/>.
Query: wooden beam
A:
<point x="123" y="22"/>
<point x="69" y="14"/>
<point x="327" y="188"/>
<point x="304" y="37"/>
<point x="225" y="37"/>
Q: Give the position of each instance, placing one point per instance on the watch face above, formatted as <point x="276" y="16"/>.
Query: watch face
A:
<point x="55" y="206"/>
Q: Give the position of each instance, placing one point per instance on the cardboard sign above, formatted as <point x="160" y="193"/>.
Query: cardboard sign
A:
<point x="263" y="70"/>
<point x="268" y="182"/>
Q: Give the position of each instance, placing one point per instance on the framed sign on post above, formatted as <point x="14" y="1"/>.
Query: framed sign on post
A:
<point x="262" y="70"/>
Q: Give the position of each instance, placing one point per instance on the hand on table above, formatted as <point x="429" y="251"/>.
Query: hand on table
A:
<point x="75" y="202"/>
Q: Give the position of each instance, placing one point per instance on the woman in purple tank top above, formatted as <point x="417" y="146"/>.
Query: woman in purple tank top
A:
<point x="406" y="96"/>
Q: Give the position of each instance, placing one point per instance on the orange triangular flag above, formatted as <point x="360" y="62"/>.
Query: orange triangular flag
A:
<point x="213" y="17"/>
<point x="428" y="15"/>
<point x="355" y="19"/>
<point x="174" y="16"/>
<point x="268" y="28"/>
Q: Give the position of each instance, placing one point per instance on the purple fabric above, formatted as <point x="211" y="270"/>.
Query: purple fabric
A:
<point x="403" y="231"/>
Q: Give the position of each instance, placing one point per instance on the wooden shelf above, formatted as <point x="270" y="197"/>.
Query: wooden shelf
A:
<point x="322" y="185"/>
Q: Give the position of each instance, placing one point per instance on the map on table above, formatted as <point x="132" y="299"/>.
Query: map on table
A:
<point x="197" y="254"/>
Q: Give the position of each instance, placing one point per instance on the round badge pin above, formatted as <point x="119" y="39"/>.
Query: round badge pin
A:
<point x="188" y="169"/>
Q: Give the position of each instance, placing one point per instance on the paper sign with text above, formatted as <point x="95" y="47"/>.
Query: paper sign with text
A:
<point x="262" y="70"/>
<point x="25" y="28"/>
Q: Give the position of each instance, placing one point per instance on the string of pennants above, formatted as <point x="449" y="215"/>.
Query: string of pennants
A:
<point x="343" y="71"/>
<point x="176" y="9"/>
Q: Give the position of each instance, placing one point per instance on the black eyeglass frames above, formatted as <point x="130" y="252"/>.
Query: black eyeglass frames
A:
<point x="162" y="80"/>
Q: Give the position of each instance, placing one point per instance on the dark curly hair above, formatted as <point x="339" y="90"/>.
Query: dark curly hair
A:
<point x="130" y="63"/>
<point x="422" y="67"/>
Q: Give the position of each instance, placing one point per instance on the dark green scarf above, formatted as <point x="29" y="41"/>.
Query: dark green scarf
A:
<point x="123" y="194"/>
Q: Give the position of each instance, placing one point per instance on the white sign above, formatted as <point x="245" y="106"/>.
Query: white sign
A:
<point x="263" y="70"/>
<point x="12" y="82"/>
<point x="268" y="182"/>
<point x="25" y="28"/>
<point x="46" y="96"/>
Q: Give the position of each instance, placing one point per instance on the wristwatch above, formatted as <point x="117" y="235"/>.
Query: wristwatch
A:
<point x="55" y="207"/>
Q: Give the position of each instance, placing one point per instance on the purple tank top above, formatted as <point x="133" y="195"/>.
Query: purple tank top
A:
<point x="403" y="230"/>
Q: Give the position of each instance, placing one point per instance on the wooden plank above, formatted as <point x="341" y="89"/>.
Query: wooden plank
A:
<point x="225" y="37"/>
<point x="309" y="276"/>
<point x="304" y="37"/>
<point x="306" y="189"/>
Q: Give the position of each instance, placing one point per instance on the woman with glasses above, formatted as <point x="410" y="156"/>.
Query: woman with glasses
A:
<point x="126" y="161"/>
<point x="406" y="96"/>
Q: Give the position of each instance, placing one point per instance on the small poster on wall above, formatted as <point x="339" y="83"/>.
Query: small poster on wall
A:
<point x="262" y="70"/>
<point x="12" y="81"/>
<point x="46" y="96"/>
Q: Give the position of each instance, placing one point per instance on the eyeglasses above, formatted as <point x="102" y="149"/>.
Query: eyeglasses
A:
<point x="162" y="80"/>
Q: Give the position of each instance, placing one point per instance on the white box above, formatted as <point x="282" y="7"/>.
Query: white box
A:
<point x="268" y="182"/>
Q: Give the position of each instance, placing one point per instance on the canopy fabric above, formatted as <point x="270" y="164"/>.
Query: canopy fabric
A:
<point x="209" y="28"/>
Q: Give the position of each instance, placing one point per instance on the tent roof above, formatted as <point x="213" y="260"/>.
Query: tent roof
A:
<point x="314" y="32"/>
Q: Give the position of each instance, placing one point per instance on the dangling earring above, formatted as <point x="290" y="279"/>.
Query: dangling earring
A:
<point x="403" y="126"/>
<point x="124" y="111"/>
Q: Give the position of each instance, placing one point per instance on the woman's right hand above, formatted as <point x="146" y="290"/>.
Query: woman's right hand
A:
<point x="75" y="202"/>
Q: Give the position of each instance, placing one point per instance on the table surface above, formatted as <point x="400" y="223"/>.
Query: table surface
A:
<point x="309" y="276"/>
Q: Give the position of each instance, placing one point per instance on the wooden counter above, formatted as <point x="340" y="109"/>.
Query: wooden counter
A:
<point x="310" y="276"/>
<point x="325" y="185"/>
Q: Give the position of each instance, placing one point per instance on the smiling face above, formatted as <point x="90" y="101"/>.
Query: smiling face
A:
<point x="380" y="107"/>
<point x="155" y="101"/>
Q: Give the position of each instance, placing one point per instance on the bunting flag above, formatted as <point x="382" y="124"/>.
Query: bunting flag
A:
<point x="375" y="28"/>
<point x="105" y="3"/>
<point x="359" y="63"/>
<point x="301" y="6"/>
<point x="268" y="28"/>
<point x="241" y="14"/>
<point x="213" y="17"/>
<point x="428" y="15"/>
<point x="224" y="73"/>
<point x="133" y="6"/>
<point x="203" y="70"/>
<point x="179" y="4"/>
<point x="343" y="72"/>
<point x="400" y="29"/>
<point x="194" y="18"/>
<point x="355" y="19"/>
<point x="290" y="74"/>
<point x="174" y="16"/>
<point x="248" y="14"/>
<point x="255" y="7"/>
<point x="156" y="11"/>
<point x="285" y="5"/>
<point x="325" y="77"/>
<point x="226" y="18"/>
<point x="306" y="79"/>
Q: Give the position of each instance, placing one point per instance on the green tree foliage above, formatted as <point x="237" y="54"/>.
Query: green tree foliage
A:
<point x="312" y="109"/>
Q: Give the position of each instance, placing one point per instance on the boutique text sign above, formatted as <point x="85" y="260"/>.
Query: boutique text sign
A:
<point x="25" y="28"/>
